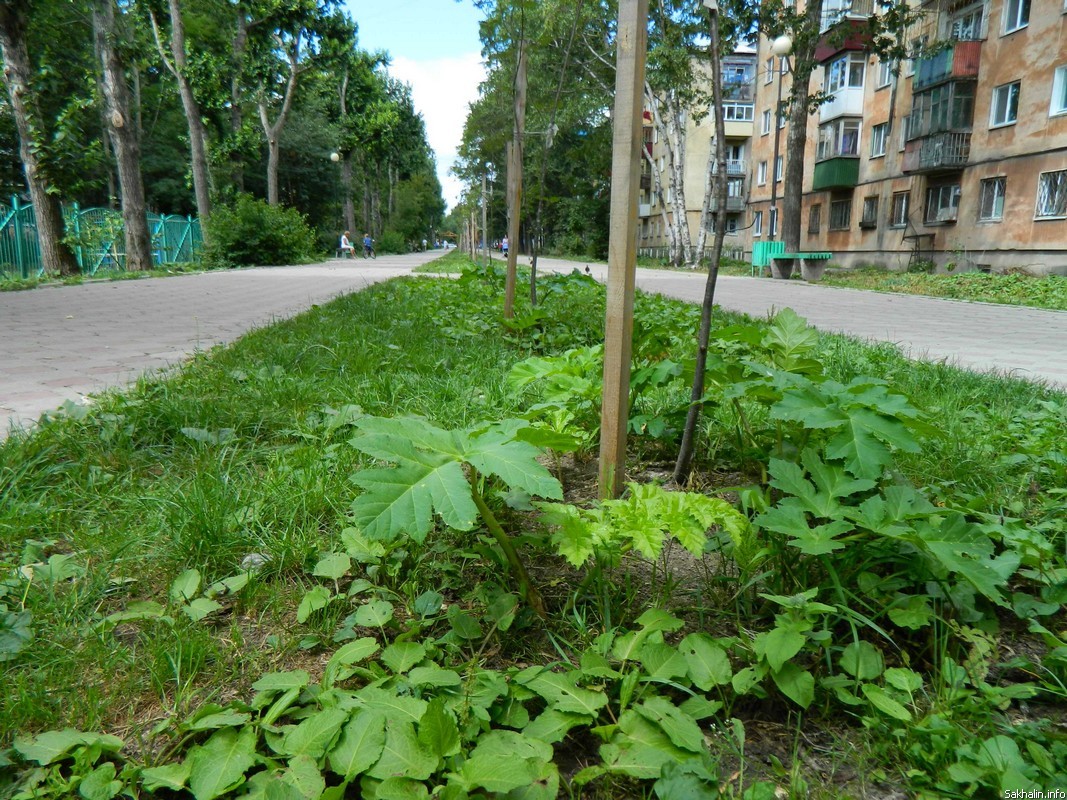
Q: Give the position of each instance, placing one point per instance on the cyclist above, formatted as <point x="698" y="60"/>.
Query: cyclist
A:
<point x="368" y="246"/>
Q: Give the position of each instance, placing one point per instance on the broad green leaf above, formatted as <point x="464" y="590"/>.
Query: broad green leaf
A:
<point x="428" y="603"/>
<point x="359" y="547"/>
<point x="200" y="608"/>
<point x="185" y="586"/>
<point x="504" y="761"/>
<point x="552" y="726"/>
<point x="962" y="548"/>
<point x="394" y="706"/>
<point x="563" y="694"/>
<point x="640" y="749"/>
<point x="864" y="442"/>
<point x="796" y="684"/>
<point x="360" y="745"/>
<point x="314" y="735"/>
<point x="905" y="680"/>
<point x="912" y="612"/>
<point x="333" y="566"/>
<point x="168" y="776"/>
<point x="438" y="732"/>
<point x="230" y="585"/>
<point x="778" y="645"/>
<point x="351" y="653"/>
<point x="401" y="789"/>
<point x="220" y="764"/>
<point x="862" y="660"/>
<point x="374" y="614"/>
<point x="100" y="784"/>
<point x="304" y="776"/>
<point x="402" y="656"/>
<point x="884" y="703"/>
<point x="708" y="663"/>
<point x="497" y="452"/>
<point x="315" y="599"/>
<point x="15" y="633"/>
<point x="216" y="720"/>
<point x="573" y="537"/>
<point x="699" y="707"/>
<point x="433" y="676"/>
<point x="662" y="661"/>
<point x="403" y="756"/>
<point x="682" y="730"/>
<point x="50" y="746"/>
<point x="403" y="500"/>
<point x="282" y="681"/>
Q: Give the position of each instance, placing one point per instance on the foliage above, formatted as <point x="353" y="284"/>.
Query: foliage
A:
<point x="252" y="232"/>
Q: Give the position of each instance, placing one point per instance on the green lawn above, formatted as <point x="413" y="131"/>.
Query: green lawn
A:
<point x="312" y="563"/>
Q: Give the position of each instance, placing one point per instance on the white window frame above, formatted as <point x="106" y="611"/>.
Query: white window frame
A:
<point x="778" y="169"/>
<point x="1004" y="104"/>
<point x="991" y="193"/>
<point x="1016" y="15"/>
<point x="761" y="173"/>
<point x="839" y="73"/>
<point x="1057" y="191"/>
<point x="879" y="138"/>
<point x="899" y="209"/>
<point x="1058" y="104"/>
<point x="765" y="122"/>
<point x="774" y="222"/>
<point x="757" y="223"/>
<point x="885" y="73"/>
<point x="942" y="203"/>
<point x="768" y="70"/>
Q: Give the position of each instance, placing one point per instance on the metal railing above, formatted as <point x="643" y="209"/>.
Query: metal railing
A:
<point x="95" y="235"/>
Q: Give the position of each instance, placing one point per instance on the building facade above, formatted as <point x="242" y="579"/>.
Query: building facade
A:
<point x="957" y="158"/>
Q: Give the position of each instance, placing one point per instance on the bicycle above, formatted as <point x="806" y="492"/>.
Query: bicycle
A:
<point x="368" y="251"/>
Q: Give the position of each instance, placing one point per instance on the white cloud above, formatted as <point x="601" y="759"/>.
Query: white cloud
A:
<point x="442" y="90"/>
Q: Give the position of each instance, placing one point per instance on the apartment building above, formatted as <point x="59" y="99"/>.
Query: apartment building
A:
<point x="654" y="214"/>
<point x="959" y="158"/>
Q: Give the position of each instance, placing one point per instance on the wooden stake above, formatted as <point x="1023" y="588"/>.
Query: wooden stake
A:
<point x="622" y="243"/>
<point x="514" y="156"/>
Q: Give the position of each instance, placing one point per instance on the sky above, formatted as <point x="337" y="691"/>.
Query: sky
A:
<point x="435" y="48"/>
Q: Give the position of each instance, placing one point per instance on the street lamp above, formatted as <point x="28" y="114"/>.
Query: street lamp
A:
<point x="780" y="47"/>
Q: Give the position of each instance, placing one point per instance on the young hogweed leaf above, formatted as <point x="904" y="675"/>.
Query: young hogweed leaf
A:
<point x="220" y="764"/>
<point x="429" y="477"/>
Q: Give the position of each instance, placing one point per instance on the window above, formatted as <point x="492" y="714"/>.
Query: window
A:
<point x="1004" y="109"/>
<point x="918" y="48"/>
<point x="966" y="25"/>
<point x="991" y="198"/>
<point x="840" y="214"/>
<point x="768" y="71"/>
<point x="1016" y="15"/>
<point x="757" y="224"/>
<point x="885" y="74"/>
<point x="765" y="122"/>
<point x="1052" y="194"/>
<point x="731" y="225"/>
<point x="778" y="169"/>
<point x="879" y="136"/>
<point x="814" y="218"/>
<point x="846" y="73"/>
<point x="898" y="213"/>
<point x="735" y="187"/>
<point x="738" y="112"/>
<point x="838" y="138"/>
<point x="1059" y="92"/>
<point x="942" y="203"/>
<point x="761" y="173"/>
<point x="870" y="212"/>
<point x="774" y="222"/>
<point x="943" y="108"/>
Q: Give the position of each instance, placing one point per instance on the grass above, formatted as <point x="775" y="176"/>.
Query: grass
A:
<point x="245" y="453"/>
<point x="1049" y="291"/>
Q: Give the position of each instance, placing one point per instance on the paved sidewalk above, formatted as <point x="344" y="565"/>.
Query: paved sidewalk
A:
<point x="66" y="342"/>
<point x="1023" y="342"/>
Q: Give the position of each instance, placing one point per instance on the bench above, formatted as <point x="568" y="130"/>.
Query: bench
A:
<point x="344" y="252"/>
<point x="812" y="273"/>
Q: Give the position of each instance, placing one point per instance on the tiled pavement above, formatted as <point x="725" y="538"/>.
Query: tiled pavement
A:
<point x="64" y="343"/>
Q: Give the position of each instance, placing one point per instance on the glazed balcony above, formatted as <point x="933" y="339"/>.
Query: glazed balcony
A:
<point x="733" y="204"/>
<point x="958" y="62"/>
<point x="841" y="172"/>
<point x="835" y="11"/>
<point x="941" y="152"/>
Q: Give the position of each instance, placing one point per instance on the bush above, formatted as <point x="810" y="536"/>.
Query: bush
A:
<point x="253" y="232"/>
<point x="391" y="242"/>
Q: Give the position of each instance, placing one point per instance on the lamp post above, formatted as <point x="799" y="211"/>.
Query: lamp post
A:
<point x="780" y="47"/>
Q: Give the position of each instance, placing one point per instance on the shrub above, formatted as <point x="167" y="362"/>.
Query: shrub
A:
<point x="391" y="242"/>
<point x="253" y="232"/>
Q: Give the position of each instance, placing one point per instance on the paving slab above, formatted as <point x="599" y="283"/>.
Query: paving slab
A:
<point x="1026" y="343"/>
<point x="68" y="342"/>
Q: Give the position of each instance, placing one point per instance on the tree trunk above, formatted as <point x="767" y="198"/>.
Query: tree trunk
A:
<point x="273" y="131"/>
<point x="237" y="121"/>
<point x="123" y="135"/>
<point x="197" y="133"/>
<point x="56" y="256"/>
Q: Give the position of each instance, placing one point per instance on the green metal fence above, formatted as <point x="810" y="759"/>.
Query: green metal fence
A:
<point x="96" y="234"/>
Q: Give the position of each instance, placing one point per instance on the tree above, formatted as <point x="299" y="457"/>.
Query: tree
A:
<point x="178" y="65"/>
<point x="124" y="136"/>
<point x="55" y="254"/>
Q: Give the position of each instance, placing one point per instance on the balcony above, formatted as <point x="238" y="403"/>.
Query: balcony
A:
<point x="733" y="204"/>
<point x="834" y="11"/>
<point x="734" y="166"/>
<point x="846" y="102"/>
<point x="644" y="210"/>
<point x="958" y="62"/>
<point x="841" y="172"/>
<point x="941" y="152"/>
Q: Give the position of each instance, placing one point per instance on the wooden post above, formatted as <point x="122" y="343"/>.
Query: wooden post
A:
<point x="622" y="243"/>
<point x="515" y="182"/>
